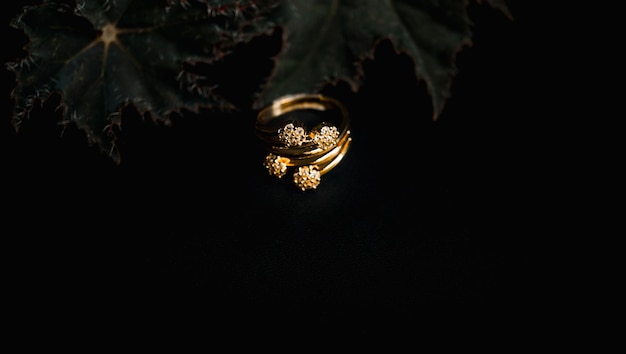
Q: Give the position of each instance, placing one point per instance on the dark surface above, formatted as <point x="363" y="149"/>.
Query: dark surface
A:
<point x="418" y="216"/>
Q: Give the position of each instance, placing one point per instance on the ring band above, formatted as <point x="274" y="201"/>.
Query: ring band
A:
<point x="311" y="147"/>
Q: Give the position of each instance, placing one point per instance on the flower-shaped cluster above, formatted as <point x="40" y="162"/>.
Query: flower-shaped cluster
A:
<point x="276" y="165"/>
<point x="307" y="177"/>
<point x="326" y="136"/>
<point x="292" y="135"/>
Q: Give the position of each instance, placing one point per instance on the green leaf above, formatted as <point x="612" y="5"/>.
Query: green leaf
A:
<point x="103" y="54"/>
<point x="326" y="40"/>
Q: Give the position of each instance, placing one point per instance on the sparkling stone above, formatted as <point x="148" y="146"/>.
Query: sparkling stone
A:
<point x="307" y="177"/>
<point x="276" y="165"/>
<point x="292" y="135"/>
<point x="326" y="137"/>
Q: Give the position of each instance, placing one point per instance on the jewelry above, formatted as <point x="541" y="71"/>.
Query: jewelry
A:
<point x="291" y="144"/>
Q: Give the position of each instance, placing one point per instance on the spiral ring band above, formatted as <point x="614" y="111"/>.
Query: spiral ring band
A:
<point x="312" y="148"/>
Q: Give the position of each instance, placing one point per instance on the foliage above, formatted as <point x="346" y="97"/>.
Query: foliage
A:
<point x="102" y="55"/>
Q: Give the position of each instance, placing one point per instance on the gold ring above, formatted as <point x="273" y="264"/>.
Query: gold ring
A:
<point x="307" y="132"/>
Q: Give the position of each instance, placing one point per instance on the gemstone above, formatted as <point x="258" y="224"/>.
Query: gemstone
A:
<point x="276" y="165"/>
<point x="326" y="136"/>
<point x="307" y="177"/>
<point x="292" y="135"/>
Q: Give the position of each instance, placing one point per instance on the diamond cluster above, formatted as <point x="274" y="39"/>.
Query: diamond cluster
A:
<point x="307" y="177"/>
<point x="276" y="165"/>
<point x="326" y="137"/>
<point x="292" y="135"/>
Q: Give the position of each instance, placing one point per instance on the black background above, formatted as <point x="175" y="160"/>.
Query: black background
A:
<point x="420" y="216"/>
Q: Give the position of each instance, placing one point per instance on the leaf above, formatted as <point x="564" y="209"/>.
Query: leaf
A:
<point x="326" y="39"/>
<point x="103" y="54"/>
